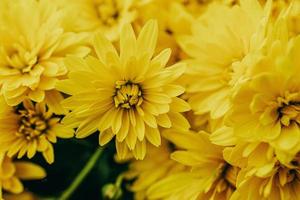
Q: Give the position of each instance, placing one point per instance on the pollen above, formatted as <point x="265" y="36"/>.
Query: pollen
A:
<point x="289" y="110"/>
<point x="34" y="123"/>
<point x="128" y="95"/>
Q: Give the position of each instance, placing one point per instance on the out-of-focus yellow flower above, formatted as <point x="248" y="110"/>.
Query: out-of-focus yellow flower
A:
<point x="127" y="95"/>
<point x="32" y="46"/>
<point x="210" y="176"/>
<point x="105" y="16"/>
<point x="293" y="16"/>
<point x="221" y="48"/>
<point x="29" y="128"/>
<point x="12" y="172"/>
<point x="262" y="176"/>
<point x="173" y="20"/>
<point x="267" y="108"/>
<point x="156" y="166"/>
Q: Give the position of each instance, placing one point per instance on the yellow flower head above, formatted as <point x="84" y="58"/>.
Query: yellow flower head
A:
<point x="12" y="172"/>
<point x="262" y="175"/>
<point x="271" y="181"/>
<point x="29" y="128"/>
<point x="106" y="16"/>
<point x="127" y="95"/>
<point x="146" y="172"/>
<point x="32" y="45"/>
<point x="209" y="176"/>
<point x="220" y="49"/>
<point x="173" y="20"/>
<point x="267" y="108"/>
<point x="293" y="16"/>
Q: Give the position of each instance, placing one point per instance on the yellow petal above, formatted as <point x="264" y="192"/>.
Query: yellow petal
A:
<point x="75" y="63"/>
<point x="289" y="137"/>
<point x="37" y="95"/>
<point x="178" y="121"/>
<point x="187" y="158"/>
<point x="122" y="150"/>
<point x="173" y="90"/>
<point x="127" y="43"/>
<point x="131" y="138"/>
<point x="223" y="136"/>
<point x="179" y="105"/>
<point x="159" y="61"/>
<point x="140" y="128"/>
<point x="63" y="131"/>
<point x="139" y="151"/>
<point x="146" y="41"/>
<point x="105" y="137"/>
<point x="13" y="185"/>
<point x="32" y="148"/>
<point x="164" y="120"/>
<point x="102" y="47"/>
<point x="150" y="120"/>
<point x="87" y="127"/>
<point x="169" y="185"/>
<point x="53" y="100"/>
<point x="29" y="171"/>
<point x="49" y="154"/>
<point x="153" y="136"/>
<point x="121" y="135"/>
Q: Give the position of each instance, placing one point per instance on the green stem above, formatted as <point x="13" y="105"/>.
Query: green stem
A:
<point x="84" y="172"/>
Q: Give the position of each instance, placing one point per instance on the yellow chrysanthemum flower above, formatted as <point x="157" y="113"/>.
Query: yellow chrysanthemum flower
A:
<point x="267" y="108"/>
<point x="128" y="95"/>
<point x="29" y="128"/>
<point x="173" y="20"/>
<point x="146" y="172"/>
<point x="293" y="17"/>
<point x="262" y="176"/>
<point x="105" y="16"/>
<point x="210" y="176"/>
<point x="32" y="45"/>
<point x="12" y="172"/>
<point x="221" y="48"/>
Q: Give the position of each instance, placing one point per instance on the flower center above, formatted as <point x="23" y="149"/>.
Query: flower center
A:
<point x="229" y="174"/>
<point x="289" y="110"/>
<point x="127" y="95"/>
<point x="227" y="178"/>
<point x="34" y="122"/>
<point x="107" y="11"/>
<point x="289" y="174"/>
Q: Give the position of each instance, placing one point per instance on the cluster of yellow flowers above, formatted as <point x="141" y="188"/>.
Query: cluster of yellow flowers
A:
<point x="201" y="97"/>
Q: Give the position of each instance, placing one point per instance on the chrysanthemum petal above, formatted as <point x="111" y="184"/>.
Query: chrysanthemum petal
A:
<point x="146" y="41"/>
<point x="103" y="47"/>
<point x="87" y="127"/>
<point x="179" y="105"/>
<point x="29" y="171"/>
<point x="127" y="43"/>
<point x="164" y="120"/>
<point x="153" y="136"/>
<point x="49" y="154"/>
<point x="105" y="137"/>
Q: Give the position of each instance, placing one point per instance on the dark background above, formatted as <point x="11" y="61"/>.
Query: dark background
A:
<point x="71" y="155"/>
